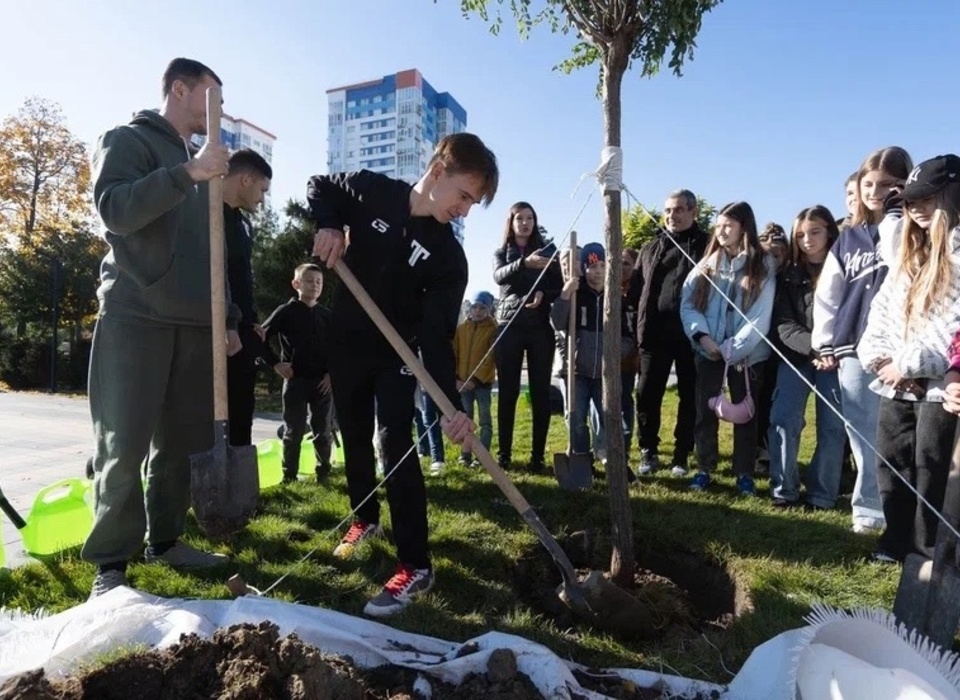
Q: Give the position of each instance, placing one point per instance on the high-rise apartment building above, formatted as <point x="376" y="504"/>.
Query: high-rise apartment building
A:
<point x="390" y="125"/>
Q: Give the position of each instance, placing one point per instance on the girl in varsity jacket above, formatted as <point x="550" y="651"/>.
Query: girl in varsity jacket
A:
<point x="852" y="274"/>
<point x="906" y="343"/>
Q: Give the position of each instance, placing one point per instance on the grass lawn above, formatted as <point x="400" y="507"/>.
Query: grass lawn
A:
<point x="786" y="560"/>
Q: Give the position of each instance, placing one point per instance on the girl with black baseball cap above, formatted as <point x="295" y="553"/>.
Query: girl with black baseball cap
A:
<point x="906" y="345"/>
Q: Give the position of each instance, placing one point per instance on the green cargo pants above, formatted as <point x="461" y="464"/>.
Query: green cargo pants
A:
<point x="151" y="395"/>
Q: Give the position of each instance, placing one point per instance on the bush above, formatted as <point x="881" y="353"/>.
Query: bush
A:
<point x="25" y="363"/>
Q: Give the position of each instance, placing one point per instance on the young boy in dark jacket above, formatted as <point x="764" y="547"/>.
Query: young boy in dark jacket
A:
<point x="588" y="357"/>
<point x="302" y="326"/>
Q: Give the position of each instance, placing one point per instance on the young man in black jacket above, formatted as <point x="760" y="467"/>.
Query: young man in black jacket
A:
<point x="247" y="181"/>
<point x="403" y="251"/>
<point x="302" y="326"/>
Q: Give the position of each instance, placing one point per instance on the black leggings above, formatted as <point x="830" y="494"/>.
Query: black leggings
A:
<point x="538" y="343"/>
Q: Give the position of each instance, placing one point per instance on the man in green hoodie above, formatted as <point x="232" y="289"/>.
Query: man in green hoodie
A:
<point x="150" y="385"/>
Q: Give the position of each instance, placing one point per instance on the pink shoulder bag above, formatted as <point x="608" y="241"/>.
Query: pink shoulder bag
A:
<point x="725" y="409"/>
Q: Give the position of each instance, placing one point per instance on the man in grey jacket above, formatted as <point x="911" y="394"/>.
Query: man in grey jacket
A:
<point x="150" y="386"/>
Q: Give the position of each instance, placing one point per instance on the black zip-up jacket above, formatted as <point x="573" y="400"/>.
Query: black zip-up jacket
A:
<point x="237" y="232"/>
<point x="304" y="335"/>
<point x="412" y="266"/>
<point x="793" y="313"/>
<point x="516" y="280"/>
<point x="589" y="349"/>
<point x="652" y="279"/>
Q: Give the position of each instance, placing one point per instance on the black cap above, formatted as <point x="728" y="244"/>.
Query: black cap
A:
<point x="931" y="177"/>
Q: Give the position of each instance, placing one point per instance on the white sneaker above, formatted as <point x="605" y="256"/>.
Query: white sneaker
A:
<point x="677" y="470"/>
<point x="866" y="529"/>
<point x="436" y="469"/>
<point x="183" y="556"/>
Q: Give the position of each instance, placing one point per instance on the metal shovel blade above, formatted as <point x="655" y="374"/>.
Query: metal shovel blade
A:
<point x="225" y="487"/>
<point x="574" y="472"/>
<point x="928" y="598"/>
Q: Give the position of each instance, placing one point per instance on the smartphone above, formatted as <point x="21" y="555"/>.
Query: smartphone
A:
<point x="548" y="250"/>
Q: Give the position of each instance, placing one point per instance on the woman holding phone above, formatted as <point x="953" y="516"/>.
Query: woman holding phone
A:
<point x="529" y="277"/>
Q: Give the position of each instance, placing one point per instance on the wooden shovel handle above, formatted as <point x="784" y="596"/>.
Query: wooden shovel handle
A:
<point x="447" y="409"/>
<point x="571" y="341"/>
<point x="218" y="302"/>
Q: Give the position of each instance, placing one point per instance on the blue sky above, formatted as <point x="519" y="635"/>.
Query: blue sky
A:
<point x="782" y="101"/>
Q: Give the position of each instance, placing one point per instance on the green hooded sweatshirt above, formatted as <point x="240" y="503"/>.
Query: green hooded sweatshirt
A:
<point x="156" y="220"/>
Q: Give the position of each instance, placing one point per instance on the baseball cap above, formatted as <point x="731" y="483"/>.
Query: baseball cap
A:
<point x="931" y="177"/>
<point x="591" y="254"/>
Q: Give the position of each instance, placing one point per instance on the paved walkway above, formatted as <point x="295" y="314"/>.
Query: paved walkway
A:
<point x="45" y="438"/>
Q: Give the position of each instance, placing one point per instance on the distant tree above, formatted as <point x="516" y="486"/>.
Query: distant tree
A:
<point x="640" y="226"/>
<point x="44" y="172"/>
<point x="277" y="250"/>
<point x="27" y="278"/>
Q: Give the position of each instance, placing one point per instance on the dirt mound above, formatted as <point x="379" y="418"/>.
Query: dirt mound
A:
<point x="683" y="592"/>
<point x="252" y="662"/>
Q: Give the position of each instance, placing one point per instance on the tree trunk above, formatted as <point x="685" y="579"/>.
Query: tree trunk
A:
<point x="622" y="559"/>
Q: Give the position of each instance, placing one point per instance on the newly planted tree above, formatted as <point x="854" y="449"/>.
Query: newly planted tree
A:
<point x="615" y="35"/>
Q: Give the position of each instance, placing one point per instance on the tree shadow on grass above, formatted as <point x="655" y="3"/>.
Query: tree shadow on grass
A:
<point x="747" y="527"/>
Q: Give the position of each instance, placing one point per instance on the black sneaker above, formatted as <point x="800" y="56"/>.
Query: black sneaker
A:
<point x="537" y="465"/>
<point x="504" y="462"/>
<point x="649" y="462"/>
<point x="288" y="479"/>
<point x="323" y="473"/>
<point x="464" y="460"/>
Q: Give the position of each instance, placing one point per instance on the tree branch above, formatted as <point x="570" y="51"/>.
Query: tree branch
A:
<point x="584" y="24"/>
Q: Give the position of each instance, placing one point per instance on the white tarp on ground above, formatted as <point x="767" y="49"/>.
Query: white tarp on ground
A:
<point x="124" y="617"/>
<point x="863" y="655"/>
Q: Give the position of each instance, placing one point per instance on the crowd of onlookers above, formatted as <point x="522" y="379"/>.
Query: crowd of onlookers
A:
<point x="861" y="309"/>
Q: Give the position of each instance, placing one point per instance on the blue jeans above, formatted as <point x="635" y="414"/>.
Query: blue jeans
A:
<point x="479" y="395"/>
<point x="587" y="390"/>
<point x="627" y="380"/>
<point x="783" y="437"/>
<point x="423" y="443"/>
<point x="432" y="424"/>
<point x="861" y="408"/>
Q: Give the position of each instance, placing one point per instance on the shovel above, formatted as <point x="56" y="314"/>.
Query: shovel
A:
<point x="224" y="481"/>
<point x="571" y="592"/>
<point x="12" y="514"/>
<point x="928" y="597"/>
<point x="574" y="472"/>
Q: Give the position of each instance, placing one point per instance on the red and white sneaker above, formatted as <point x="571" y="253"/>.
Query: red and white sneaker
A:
<point x="399" y="591"/>
<point x="358" y="532"/>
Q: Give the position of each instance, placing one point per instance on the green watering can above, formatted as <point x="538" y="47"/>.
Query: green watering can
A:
<point x="270" y="458"/>
<point x="61" y="517"/>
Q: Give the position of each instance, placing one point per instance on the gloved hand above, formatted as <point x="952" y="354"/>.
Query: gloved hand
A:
<point x="893" y="202"/>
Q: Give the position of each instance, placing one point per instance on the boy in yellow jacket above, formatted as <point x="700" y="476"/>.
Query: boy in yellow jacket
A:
<point x="476" y="367"/>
